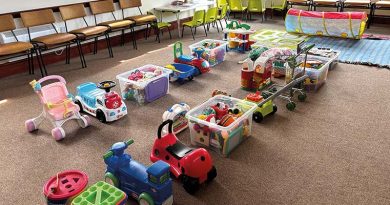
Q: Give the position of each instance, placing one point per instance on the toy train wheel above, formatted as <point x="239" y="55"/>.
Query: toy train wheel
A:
<point x="257" y="117"/>
<point x="191" y="77"/>
<point x="145" y="199"/>
<point x="80" y="106"/>
<point x="111" y="179"/>
<point x="302" y="97"/>
<point x="191" y="185"/>
<point x="274" y="109"/>
<point x="211" y="174"/>
<point x="100" y="116"/>
<point x="290" y="106"/>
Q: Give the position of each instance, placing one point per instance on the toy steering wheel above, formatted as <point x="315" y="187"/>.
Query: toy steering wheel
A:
<point x="106" y="85"/>
<point x="199" y="51"/>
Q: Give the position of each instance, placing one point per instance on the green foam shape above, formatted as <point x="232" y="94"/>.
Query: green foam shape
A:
<point x="99" y="193"/>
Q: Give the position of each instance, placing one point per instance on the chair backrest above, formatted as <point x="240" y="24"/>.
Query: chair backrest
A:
<point x="7" y="23"/>
<point x="284" y="4"/>
<point x="100" y="7"/>
<point x="198" y="17"/>
<point x="235" y="5"/>
<point x="224" y="11"/>
<point x="37" y="18"/>
<point x="220" y="3"/>
<point x="126" y="4"/>
<point x="72" y="12"/>
<point x="256" y="5"/>
<point x="211" y="15"/>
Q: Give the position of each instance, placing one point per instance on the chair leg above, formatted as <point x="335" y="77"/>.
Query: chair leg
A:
<point x="108" y="42"/>
<point x="216" y="24"/>
<point x="193" y="37"/>
<point x="157" y="33"/>
<point x="29" y="63"/>
<point x="195" y="31"/>
<point x="182" y="32"/>
<point x="81" y="54"/>
<point x="134" y="38"/>
<point x="146" y="32"/>
<point x="41" y="63"/>
<point x="67" y="54"/>
<point x="122" y="38"/>
<point x="95" y="46"/>
<point x="220" y="24"/>
<point x="204" y="26"/>
<point x="169" y="31"/>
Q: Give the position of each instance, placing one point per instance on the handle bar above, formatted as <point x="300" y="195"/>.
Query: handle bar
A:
<point x="110" y="153"/>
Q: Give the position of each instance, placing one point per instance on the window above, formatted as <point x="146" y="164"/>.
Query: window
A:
<point x="99" y="102"/>
<point x="153" y="179"/>
<point x="164" y="178"/>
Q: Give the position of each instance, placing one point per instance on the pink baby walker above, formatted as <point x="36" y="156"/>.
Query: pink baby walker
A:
<point x="58" y="106"/>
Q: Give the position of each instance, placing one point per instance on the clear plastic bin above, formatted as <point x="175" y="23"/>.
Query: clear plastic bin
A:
<point x="146" y="90"/>
<point x="215" y="55"/>
<point x="317" y="77"/>
<point x="214" y="136"/>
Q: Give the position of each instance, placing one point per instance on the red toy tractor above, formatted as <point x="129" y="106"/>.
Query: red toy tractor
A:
<point x="192" y="166"/>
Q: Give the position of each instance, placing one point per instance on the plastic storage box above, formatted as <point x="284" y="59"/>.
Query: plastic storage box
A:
<point x="146" y="90"/>
<point x="215" y="55"/>
<point x="214" y="136"/>
<point x="317" y="77"/>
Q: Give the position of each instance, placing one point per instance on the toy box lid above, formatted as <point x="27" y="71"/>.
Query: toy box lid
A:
<point x="123" y="77"/>
<point x="222" y="44"/>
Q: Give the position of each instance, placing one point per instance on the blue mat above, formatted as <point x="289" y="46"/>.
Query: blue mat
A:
<point x="363" y="51"/>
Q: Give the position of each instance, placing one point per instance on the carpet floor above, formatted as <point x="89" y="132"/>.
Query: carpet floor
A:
<point x="333" y="149"/>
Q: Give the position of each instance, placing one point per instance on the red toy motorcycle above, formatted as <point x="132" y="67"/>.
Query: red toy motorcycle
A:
<point x="192" y="166"/>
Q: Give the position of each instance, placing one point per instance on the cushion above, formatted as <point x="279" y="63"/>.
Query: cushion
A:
<point x="55" y="39"/>
<point x="14" y="47"/>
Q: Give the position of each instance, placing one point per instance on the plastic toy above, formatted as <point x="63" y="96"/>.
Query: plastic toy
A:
<point x="237" y="35"/>
<point x="100" y="102"/>
<point x="336" y="24"/>
<point x="62" y="188"/>
<point x="177" y="113"/>
<point x="182" y="72"/>
<point x="192" y="166"/>
<point x="101" y="193"/>
<point x="201" y="64"/>
<point x="221" y="123"/>
<point x="267" y="108"/>
<point x="58" y="106"/>
<point x="215" y="50"/>
<point x="148" y="185"/>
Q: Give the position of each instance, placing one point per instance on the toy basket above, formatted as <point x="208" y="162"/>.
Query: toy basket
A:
<point x="146" y="90"/>
<point x="214" y="136"/>
<point x="214" y="55"/>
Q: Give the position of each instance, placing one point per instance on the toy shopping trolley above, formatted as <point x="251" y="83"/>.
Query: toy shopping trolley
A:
<point x="58" y="106"/>
<point x="294" y="80"/>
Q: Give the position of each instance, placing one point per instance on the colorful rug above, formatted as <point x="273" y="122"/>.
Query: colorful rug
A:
<point x="364" y="51"/>
<point x="277" y="38"/>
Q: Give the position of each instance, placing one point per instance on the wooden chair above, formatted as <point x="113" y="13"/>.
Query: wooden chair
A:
<point x="326" y="3"/>
<point x="107" y="6"/>
<point x="77" y="11"/>
<point x="377" y="5"/>
<point x="292" y="3"/>
<point x="17" y="48"/>
<point x="51" y="41"/>
<point x="140" y="20"/>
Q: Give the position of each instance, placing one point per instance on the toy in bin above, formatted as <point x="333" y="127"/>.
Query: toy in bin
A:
<point x="101" y="193"/>
<point x="177" y="114"/>
<point x="62" y="188"/>
<point x="198" y="62"/>
<point x="58" y="106"/>
<point x="221" y="123"/>
<point x="148" y="185"/>
<point x="214" y="50"/>
<point x="181" y="72"/>
<point x="145" y="84"/>
<point x="100" y="102"/>
<point x="193" y="166"/>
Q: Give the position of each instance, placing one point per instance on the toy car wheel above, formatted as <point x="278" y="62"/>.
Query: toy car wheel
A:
<point x="30" y="125"/>
<point x="58" y="133"/>
<point x="290" y="106"/>
<point x="111" y="179"/>
<point x="191" y="185"/>
<point x="100" y="116"/>
<point x="274" y="109"/>
<point x="80" y="106"/>
<point x="85" y="121"/>
<point x="258" y="117"/>
<point x="302" y="97"/>
<point x="211" y="174"/>
<point x="191" y="77"/>
<point x="145" y="199"/>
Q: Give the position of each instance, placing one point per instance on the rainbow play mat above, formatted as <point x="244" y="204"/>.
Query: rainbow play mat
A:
<point x="336" y="24"/>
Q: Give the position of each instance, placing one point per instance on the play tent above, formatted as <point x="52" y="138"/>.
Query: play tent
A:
<point x="337" y="24"/>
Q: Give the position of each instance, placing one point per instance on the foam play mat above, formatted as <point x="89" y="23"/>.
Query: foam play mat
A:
<point x="364" y="51"/>
<point x="277" y="38"/>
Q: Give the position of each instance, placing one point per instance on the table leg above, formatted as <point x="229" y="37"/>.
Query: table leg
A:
<point x="178" y="23"/>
